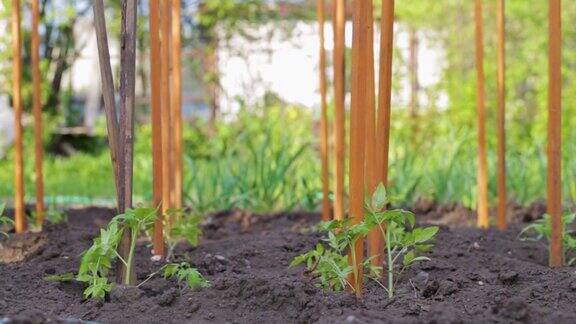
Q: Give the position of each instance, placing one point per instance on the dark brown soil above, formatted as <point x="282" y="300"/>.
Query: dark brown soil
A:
<point x="475" y="276"/>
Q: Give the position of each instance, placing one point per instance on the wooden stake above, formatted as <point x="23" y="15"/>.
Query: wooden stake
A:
<point x="483" y="218"/>
<point x="501" y="114"/>
<point x="555" y="132"/>
<point x="339" y="21"/>
<point x="385" y="89"/>
<point x="155" y="87"/>
<point x="20" y="216"/>
<point x="177" y="101"/>
<point x="323" y="116"/>
<point x="127" y="97"/>
<point x="375" y="240"/>
<point x="37" y="110"/>
<point x="108" y="91"/>
<point x="165" y="11"/>
<point x="360" y="100"/>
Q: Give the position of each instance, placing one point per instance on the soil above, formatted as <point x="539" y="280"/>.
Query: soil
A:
<point x="475" y="276"/>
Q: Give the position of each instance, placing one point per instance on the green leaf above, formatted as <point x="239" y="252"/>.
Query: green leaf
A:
<point x="379" y="198"/>
<point x="422" y="235"/>
<point x="408" y="258"/>
<point x="65" y="277"/>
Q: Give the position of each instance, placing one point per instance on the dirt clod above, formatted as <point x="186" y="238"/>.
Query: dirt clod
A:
<point x="508" y="277"/>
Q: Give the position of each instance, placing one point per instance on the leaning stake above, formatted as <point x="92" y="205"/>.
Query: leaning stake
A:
<point x="323" y="115"/>
<point x="127" y="97"/>
<point x="554" y="132"/>
<point x="107" y="90"/>
<point x="482" y="178"/>
<point x="20" y="217"/>
<point x="37" y="110"/>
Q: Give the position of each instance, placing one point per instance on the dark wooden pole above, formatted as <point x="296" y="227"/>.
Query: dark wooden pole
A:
<point x="339" y="57"/>
<point x="108" y="91"/>
<point x="483" y="218"/>
<point x="127" y="97"/>
<point x="501" y="113"/>
<point x="326" y="214"/>
<point x="20" y="216"/>
<point x="555" y="132"/>
<point x="37" y="111"/>
<point x="155" y="74"/>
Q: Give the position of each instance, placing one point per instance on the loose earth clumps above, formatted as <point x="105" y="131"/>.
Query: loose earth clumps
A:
<point x="474" y="276"/>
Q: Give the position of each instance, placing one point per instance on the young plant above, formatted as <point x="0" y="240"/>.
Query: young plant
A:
<point x="403" y="240"/>
<point x="185" y="273"/>
<point x="98" y="259"/>
<point x="186" y="226"/>
<point x="330" y="264"/>
<point x="541" y="229"/>
<point x="4" y="219"/>
<point x="55" y="216"/>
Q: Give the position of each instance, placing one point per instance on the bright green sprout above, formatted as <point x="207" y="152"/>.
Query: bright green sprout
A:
<point x="329" y="264"/>
<point x="97" y="260"/>
<point x="541" y="229"/>
<point x="4" y="219"/>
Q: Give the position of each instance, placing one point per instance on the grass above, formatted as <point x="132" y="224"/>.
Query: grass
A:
<point x="267" y="161"/>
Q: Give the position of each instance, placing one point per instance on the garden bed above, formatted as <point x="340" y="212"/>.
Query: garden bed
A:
<point x="474" y="276"/>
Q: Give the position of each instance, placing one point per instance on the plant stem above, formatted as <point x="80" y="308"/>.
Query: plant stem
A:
<point x="390" y="266"/>
<point x="354" y="267"/>
<point x="127" y="276"/>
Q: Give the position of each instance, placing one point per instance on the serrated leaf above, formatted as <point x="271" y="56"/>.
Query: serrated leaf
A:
<point x="379" y="198"/>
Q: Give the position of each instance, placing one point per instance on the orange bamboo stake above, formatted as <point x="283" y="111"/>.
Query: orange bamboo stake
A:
<point x="554" y="132"/>
<point x="171" y="131"/>
<point x="385" y="89"/>
<point x="483" y="220"/>
<point x="339" y="21"/>
<point x="375" y="240"/>
<point x="155" y="87"/>
<point x="360" y="100"/>
<point x="20" y="217"/>
<point x="165" y="28"/>
<point x="501" y="114"/>
<point x="37" y="109"/>
<point x="177" y="101"/>
<point x="323" y="116"/>
<point x="382" y="136"/>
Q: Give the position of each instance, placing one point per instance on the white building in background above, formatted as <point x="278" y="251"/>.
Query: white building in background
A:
<point x="289" y="66"/>
<point x="275" y="61"/>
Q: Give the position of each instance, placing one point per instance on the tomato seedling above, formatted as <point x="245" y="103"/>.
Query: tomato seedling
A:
<point x="541" y="229"/>
<point x="186" y="227"/>
<point x="330" y="264"/>
<point x="402" y="238"/>
<point x="97" y="260"/>
<point x="404" y="241"/>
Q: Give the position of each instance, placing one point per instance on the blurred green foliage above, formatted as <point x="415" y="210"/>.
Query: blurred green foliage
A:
<point x="267" y="159"/>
